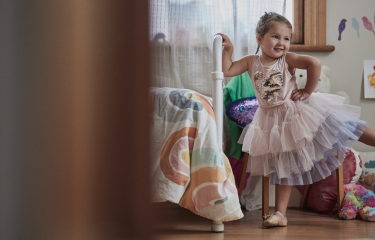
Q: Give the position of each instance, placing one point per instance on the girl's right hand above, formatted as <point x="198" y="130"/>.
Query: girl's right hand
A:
<point x="299" y="94"/>
<point x="227" y="44"/>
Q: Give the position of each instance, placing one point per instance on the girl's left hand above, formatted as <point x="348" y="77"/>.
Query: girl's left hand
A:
<point x="299" y="94"/>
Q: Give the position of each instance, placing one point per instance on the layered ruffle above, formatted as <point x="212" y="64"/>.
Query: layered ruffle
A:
<point x="294" y="142"/>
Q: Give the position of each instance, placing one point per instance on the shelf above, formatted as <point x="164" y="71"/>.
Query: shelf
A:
<point x="307" y="48"/>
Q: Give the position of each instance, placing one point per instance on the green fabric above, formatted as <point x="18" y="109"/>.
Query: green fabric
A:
<point x="238" y="87"/>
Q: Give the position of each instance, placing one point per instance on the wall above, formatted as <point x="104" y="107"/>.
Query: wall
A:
<point x="346" y="62"/>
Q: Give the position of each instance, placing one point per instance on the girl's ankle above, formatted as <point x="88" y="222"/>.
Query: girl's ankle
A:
<point x="280" y="213"/>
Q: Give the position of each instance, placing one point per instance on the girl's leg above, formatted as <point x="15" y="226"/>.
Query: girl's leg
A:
<point x="282" y="198"/>
<point x="368" y="137"/>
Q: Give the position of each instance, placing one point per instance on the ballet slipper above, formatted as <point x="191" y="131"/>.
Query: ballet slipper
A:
<point x="277" y="219"/>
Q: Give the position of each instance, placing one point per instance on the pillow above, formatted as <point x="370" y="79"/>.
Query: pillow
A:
<point x="368" y="159"/>
<point x="323" y="194"/>
<point x="353" y="155"/>
<point x="241" y="111"/>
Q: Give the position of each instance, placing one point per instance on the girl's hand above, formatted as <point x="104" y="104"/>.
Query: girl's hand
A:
<point x="227" y="44"/>
<point x="299" y="94"/>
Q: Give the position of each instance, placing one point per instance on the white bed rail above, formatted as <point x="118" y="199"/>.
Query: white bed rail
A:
<point x="217" y="87"/>
<point x="217" y="96"/>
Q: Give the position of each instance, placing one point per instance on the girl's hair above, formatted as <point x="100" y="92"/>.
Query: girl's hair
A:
<point x="267" y="21"/>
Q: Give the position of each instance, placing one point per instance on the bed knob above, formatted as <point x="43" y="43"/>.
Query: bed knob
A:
<point x="217" y="227"/>
<point x="217" y="75"/>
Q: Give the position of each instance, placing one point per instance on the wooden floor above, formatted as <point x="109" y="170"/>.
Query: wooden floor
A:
<point x="178" y="223"/>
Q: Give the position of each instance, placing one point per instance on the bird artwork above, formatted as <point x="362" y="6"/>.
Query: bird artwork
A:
<point x="341" y="27"/>
<point x="355" y="25"/>
<point x="368" y="24"/>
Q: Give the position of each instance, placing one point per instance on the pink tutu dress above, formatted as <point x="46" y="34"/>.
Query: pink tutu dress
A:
<point x="293" y="141"/>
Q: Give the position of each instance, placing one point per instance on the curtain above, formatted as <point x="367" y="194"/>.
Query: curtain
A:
<point x="182" y="31"/>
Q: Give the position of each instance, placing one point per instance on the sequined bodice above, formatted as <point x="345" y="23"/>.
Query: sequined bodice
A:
<point x="273" y="84"/>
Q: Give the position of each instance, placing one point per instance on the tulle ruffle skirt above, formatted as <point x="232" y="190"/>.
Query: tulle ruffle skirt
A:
<point x="294" y="142"/>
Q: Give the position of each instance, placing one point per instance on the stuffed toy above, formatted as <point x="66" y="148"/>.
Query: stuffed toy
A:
<point x="324" y="85"/>
<point x="359" y="202"/>
<point x="367" y="180"/>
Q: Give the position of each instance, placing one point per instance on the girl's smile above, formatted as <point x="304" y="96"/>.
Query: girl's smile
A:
<point x="276" y="42"/>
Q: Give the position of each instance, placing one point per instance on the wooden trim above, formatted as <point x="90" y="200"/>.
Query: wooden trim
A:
<point x="298" y="23"/>
<point x="305" y="196"/>
<point x="309" y="26"/>
<point x="340" y="183"/>
<point x="243" y="175"/>
<point x="307" y="48"/>
<point x="265" y="195"/>
<point x="321" y="22"/>
<point x="310" y="13"/>
<point x="315" y="22"/>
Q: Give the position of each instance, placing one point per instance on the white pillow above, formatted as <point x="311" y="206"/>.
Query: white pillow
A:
<point x="358" y="167"/>
<point x="368" y="161"/>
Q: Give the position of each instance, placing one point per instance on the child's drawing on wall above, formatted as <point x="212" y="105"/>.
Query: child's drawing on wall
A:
<point x="369" y="78"/>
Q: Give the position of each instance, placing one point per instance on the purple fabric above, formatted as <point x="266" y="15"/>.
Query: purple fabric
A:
<point x="242" y="111"/>
<point x="237" y="168"/>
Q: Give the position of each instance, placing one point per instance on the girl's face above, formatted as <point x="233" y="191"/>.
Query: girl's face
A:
<point x="276" y="42"/>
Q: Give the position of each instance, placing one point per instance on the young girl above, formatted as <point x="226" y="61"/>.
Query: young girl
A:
<point x="294" y="132"/>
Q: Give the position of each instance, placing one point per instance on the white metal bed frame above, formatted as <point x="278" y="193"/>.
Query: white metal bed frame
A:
<point x="217" y="77"/>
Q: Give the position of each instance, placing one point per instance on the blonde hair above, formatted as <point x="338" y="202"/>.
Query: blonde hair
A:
<point x="267" y="21"/>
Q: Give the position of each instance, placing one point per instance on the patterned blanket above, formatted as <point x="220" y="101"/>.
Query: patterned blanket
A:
<point x="188" y="168"/>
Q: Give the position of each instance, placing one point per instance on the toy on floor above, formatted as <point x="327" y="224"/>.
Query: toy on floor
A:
<point x="359" y="202"/>
<point x="324" y="85"/>
<point x="367" y="181"/>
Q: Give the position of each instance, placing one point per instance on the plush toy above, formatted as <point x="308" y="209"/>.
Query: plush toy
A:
<point x="359" y="202"/>
<point x="324" y="85"/>
<point x="367" y="180"/>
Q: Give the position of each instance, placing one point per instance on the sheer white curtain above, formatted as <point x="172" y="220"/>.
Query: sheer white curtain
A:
<point x="182" y="32"/>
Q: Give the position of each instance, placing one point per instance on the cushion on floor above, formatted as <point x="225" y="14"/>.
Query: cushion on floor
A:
<point x="323" y="195"/>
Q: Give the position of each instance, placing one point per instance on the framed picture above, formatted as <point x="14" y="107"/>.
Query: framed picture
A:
<point x="369" y="78"/>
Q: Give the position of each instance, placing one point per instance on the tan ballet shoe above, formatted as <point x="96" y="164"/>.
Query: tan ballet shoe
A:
<point x="277" y="219"/>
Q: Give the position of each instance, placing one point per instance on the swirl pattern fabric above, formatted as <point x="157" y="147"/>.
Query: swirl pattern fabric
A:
<point x="188" y="167"/>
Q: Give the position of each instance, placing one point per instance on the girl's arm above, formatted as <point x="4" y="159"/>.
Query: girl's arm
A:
<point x="313" y="67"/>
<point x="235" y="68"/>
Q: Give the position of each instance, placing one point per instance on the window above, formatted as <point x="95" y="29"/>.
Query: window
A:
<point x="309" y="24"/>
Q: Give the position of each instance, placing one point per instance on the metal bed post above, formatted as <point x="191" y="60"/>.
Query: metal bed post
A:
<point x="217" y="88"/>
<point x="217" y="95"/>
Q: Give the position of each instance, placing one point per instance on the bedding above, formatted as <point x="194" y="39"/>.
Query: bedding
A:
<point x="188" y="167"/>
